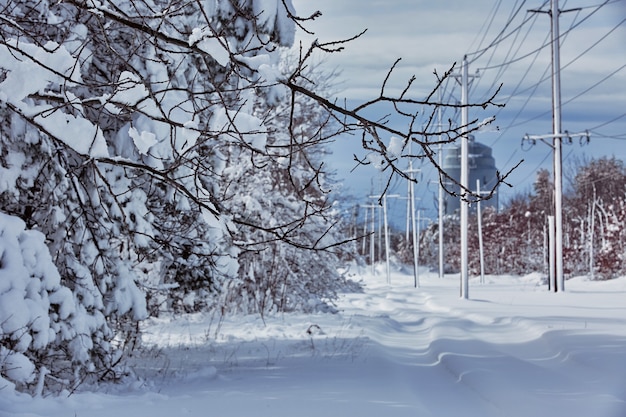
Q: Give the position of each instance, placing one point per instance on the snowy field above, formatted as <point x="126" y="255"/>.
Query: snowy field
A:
<point x="514" y="349"/>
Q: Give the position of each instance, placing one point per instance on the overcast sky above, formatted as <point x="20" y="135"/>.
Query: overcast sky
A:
<point x="432" y="35"/>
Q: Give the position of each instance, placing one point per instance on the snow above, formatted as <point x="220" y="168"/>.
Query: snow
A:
<point x="143" y="141"/>
<point x="265" y="10"/>
<point x="77" y="133"/>
<point x="376" y="160"/>
<point x="28" y="67"/>
<point x="240" y="126"/>
<point x="206" y="41"/>
<point x="131" y="92"/>
<point x="513" y="349"/>
<point x="396" y="146"/>
<point x="18" y="367"/>
<point x="10" y="175"/>
<point x="28" y="72"/>
<point x="29" y="288"/>
<point x="268" y="72"/>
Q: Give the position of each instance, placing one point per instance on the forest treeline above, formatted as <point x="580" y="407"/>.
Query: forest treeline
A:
<point x="515" y="238"/>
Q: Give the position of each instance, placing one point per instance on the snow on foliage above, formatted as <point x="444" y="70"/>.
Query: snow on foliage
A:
<point x="36" y="310"/>
<point x="143" y="141"/>
<point x="214" y="46"/>
<point x="274" y="274"/>
<point x="149" y="146"/>
<point x="237" y="123"/>
<point x="273" y="17"/>
<point x="396" y="146"/>
<point x="37" y="69"/>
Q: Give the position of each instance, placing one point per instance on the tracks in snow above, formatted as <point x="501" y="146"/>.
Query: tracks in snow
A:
<point x="487" y="357"/>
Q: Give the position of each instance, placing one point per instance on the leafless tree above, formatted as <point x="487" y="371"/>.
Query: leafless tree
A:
<point x="426" y="136"/>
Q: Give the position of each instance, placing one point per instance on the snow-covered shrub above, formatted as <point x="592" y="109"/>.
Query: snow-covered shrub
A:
<point x="290" y="262"/>
<point x="154" y="148"/>
<point x="122" y="125"/>
<point x="53" y="191"/>
<point x="41" y="326"/>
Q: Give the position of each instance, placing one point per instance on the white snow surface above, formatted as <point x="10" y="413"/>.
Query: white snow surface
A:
<point x="513" y="349"/>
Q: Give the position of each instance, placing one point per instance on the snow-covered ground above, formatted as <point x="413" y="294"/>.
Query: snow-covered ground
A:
<point x="513" y="349"/>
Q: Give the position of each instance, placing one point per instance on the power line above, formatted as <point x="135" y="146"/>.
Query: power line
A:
<point x="512" y="56"/>
<point x="600" y="4"/>
<point x="495" y="48"/>
<point x="500" y="37"/>
<point x="603" y="136"/>
<point x="585" y="91"/>
<point x="502" y="69"/>
<point x="491" y="19"/>
<point x="563" y="36"/>
<point x="504" y="66"/>
<point x="556" y="267"/>
<point x="568" y="101"/>
<point x="579" y="56"/>
<point x="532" y="171"/>
<point x="543" y="46"/>
<point x="609" y="122"/>
<point x="519" y="84"/>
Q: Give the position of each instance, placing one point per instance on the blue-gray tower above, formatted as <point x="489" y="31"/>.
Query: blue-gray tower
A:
<point x="482" y="166"/>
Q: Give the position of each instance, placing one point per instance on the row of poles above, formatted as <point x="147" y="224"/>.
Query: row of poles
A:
<point x="557" y="282"/>
<point x="413" y="221"/>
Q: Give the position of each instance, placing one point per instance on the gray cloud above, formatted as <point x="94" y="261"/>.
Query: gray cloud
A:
<point x="430" y="35"/>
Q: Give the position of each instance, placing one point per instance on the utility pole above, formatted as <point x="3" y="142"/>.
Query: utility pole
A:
<point x="411" y="214"/>
<point x="372" y="242"/>
<point x="416" y="245"/>
<point x="415" y="233"/>
<point x="386" y="239"/>
<point x="479" y="217"/>
<point x="440" y="205"/>
<point x="364" y="230"/>
<point x="373" y="208"/>
<point x="384" y="197"/>
<point x="557" y="140"/>
<point x="551" y="251"/>
<point x="464" y="179"/>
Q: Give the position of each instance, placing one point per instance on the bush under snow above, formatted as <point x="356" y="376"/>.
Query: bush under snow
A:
<point x="36" y="311"/>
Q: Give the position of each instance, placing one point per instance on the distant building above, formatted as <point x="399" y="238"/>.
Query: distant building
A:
<point x="482" y="166"/>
